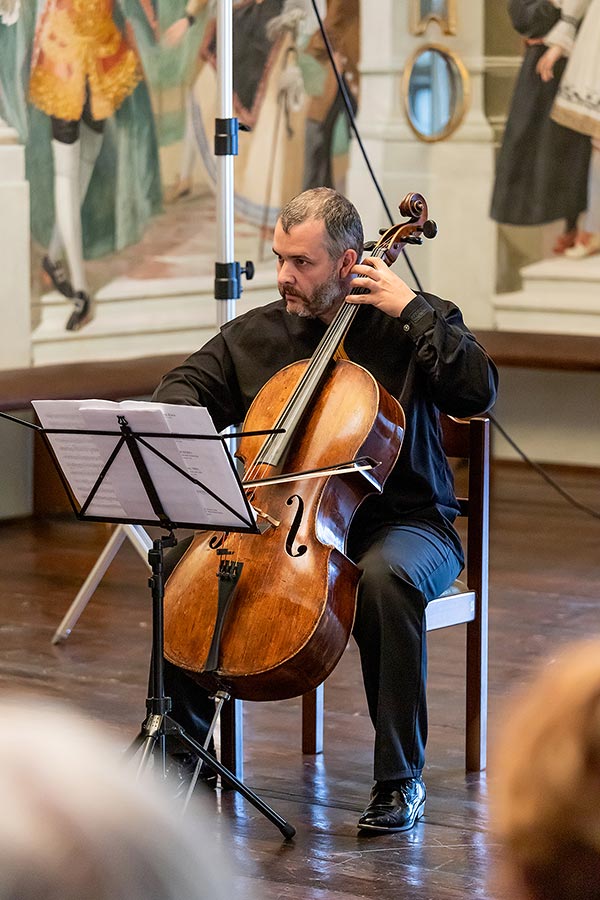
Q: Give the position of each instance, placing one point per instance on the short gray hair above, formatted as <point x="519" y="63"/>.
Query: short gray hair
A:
<point x="76" y="824"/>
<point x="340" y="217"/>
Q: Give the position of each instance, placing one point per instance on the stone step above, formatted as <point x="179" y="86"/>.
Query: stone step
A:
<point x="534" y="315"/>
<point x="580" y="276"/>
<point x="137" y="317"/>
<point x="559" y="296"/>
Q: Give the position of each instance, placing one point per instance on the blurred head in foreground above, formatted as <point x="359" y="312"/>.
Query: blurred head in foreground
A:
<point x="76" y="824"/>
<point x="546" y="781"/>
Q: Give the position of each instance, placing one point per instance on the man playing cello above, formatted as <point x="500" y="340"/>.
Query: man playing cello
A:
<point x="419" y="349"/>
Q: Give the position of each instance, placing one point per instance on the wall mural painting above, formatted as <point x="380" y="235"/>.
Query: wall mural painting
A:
<point x="554" y="113"/>
<point x="116" y="104"/>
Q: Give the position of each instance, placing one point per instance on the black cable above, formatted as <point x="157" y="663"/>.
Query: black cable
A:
<point x="352" y="122"/>
<point x="542" y="473"/>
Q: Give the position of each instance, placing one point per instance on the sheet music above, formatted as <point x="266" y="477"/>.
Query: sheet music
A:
<point x="78" y="455"/>
<point x="123" y="495"/>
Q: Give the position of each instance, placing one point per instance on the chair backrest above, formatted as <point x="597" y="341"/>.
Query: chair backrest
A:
<point x="469" y="440"/>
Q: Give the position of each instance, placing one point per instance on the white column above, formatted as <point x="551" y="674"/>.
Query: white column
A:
<point x="15" y="299"/>
<point x="455" y="175"/>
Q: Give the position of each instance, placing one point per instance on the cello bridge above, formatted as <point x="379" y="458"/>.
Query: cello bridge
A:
<point x="269" y="521"/>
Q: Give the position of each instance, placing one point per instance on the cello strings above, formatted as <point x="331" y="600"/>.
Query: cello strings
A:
<point x="311" y="378"/>
<point x="302" y="394"/>
<point x="321" y="358"/>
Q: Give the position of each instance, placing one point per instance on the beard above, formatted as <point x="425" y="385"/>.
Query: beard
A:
<point x="323" y="299"/>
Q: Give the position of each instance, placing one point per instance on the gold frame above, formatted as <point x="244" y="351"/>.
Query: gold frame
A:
<point x="459" y="113"/>
<point x="419" y="22"/>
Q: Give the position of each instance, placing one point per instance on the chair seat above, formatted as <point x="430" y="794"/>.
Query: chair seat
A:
<point x="454" y="607"/>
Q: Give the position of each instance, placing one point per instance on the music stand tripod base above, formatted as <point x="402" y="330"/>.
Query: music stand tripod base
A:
<point x="159" y="724"/>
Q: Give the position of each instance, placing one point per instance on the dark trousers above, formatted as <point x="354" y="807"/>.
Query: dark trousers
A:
<point x="403" y="567"/>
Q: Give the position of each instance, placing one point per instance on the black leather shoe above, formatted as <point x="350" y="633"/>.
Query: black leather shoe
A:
<point x="82" y="312"/>
<point x="58" y="276"/>
<point x="395" y="809"/>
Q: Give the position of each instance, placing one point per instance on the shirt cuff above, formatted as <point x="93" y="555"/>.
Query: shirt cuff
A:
<point x="562" y="35"/>
<point x="417" y="317"/>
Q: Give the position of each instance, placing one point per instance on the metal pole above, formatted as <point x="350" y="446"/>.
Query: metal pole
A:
<point x="228" y="271"/>
<point x="224" y="161"/>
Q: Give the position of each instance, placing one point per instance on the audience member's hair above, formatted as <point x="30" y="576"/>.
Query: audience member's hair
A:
<point x="546" y="781"/>
<point x="76" y="824"/>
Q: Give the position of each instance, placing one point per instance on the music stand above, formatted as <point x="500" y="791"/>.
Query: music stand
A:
<point x="236" y="516"/>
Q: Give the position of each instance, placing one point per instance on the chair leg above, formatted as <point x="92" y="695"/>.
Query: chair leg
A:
<point x="312" y="721"/>
<point x="232" y="737"/>
<point x="476" y="696"/>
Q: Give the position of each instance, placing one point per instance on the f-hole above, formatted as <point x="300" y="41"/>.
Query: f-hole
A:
<point x="289" y="544"/>
<point x="217" y="540"/>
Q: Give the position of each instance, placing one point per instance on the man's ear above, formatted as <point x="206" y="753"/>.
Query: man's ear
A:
<point x="349" y="260"/>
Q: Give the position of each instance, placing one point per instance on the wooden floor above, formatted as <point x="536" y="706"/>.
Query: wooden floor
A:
<point x="545" y="588"/>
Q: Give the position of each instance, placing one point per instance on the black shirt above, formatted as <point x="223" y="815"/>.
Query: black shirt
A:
<point x="426" y="358"/>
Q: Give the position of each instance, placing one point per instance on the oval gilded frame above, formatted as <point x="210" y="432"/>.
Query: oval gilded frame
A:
<point x="460" y="109"/>
<point x="419" y="20"/>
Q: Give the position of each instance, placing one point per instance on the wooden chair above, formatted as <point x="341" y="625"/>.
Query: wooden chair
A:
<point x="466" y="602"/>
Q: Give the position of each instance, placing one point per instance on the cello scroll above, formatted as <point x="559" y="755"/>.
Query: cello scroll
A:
<point x="394" y="239"/>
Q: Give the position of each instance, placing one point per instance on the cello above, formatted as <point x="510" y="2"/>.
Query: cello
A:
<point x="266" y="616"/>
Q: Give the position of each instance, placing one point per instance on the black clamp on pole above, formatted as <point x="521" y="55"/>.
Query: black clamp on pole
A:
<point x="228" y="279"/>
<point x="226" y="137"/>
<point x="228" y="275"/>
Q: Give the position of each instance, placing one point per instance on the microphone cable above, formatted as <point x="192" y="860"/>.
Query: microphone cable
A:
<point x="583" y="507"/>
<point x="343" y="89"/>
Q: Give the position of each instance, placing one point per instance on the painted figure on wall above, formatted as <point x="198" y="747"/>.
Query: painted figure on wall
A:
<point x="577" y="104"/>
<point x="533" y="184"/>
<point x="268" y="97"/>
<point x="279" y="58"/>
<point x="180" y="51"/>
<point x="116" y="151"/>
<point x="89" y="123"/>
<point x="326" y="109"/>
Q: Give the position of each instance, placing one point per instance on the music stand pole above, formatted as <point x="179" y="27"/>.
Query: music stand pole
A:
<point x="157" y="705"/>
<point x="158" y="723"/>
